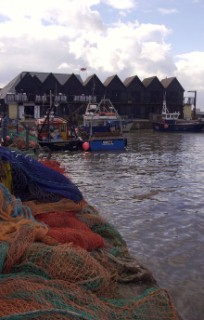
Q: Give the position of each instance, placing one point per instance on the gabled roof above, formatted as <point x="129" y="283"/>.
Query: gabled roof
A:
<point x="147" y="81"/>
<point x="111" y="78"/>
<point x="10" y="87"/>
<point x="89" y="79"/>
<point x="60" y="77"/>
<point x="167" y="81"/>
<point x="108" y="80"/>
<point x="129" y="80"/>
<point x="92" y="78"/>
<point x="42" y="76"/>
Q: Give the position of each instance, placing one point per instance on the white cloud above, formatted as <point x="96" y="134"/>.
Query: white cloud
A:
<point x="121" y="4"/>
<point x="124" y="47"/>
<point x="190" y="72"/>
<point x="188" y="62"/>
<point x="167" y="11"/>
<point x="64" y="35"/>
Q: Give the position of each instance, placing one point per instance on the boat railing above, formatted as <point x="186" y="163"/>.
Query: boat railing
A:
<point x="170" y="115"/>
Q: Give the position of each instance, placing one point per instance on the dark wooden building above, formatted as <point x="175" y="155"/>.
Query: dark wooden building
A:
<point x="93" y="88"/>
<point x="174" y="94"/>
<point x="31" y="93"/>
<point x="135" y="91"/>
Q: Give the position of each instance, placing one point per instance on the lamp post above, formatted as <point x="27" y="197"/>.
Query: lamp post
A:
<point x="195" y="98"/>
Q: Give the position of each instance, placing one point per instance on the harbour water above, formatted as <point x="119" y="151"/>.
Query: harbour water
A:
<point x="153" y="193"/>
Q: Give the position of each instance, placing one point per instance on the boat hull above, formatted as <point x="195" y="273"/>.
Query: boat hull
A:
<point x="72" y="145"/>
<point x="110" y="144"/>
<point x="178" y="127"/>
<point x="127" y="125"/>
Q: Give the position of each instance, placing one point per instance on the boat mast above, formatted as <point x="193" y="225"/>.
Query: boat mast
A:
<point x="164" y="107"/>
<point x="48" y="114"/>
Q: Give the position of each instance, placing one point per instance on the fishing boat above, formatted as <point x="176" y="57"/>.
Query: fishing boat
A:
<point x="104" y="116"/>
<point x="170" y="122"/>
<point x="103" y="141"/>
<point x="106" y="141"/>
<point x="57" y="134"/>
<point x="102" y="128"/>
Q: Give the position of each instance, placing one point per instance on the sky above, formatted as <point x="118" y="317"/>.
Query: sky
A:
<point x="163" y="38"/>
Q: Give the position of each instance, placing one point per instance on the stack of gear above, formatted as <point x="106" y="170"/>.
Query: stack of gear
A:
<point x="60" y="259"/>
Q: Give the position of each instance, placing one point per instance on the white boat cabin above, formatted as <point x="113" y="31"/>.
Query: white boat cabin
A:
<point x="104" y="110"/>
<point x="166" y="115"/>
<point x="170" y="116"/>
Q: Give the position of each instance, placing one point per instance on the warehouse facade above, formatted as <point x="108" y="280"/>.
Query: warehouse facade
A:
<point x="31" y="93"/>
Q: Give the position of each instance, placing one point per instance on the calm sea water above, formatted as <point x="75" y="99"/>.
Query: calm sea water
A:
<point x="153" y="193"/>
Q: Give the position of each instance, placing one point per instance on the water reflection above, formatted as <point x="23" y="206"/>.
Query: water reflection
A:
<point x="153" y="194"/>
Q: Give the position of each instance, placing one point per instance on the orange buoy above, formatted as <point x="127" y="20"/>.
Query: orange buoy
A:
<point x="7" y="138"/>
<point x="85" y="146"/>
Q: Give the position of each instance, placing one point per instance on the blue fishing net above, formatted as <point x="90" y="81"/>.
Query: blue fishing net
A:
<point x="31" y="175"/>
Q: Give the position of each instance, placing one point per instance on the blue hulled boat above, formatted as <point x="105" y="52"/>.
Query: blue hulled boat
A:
<point x="103" y="127"/>
<point x="108" y="142"/>
<point x="170" y="122"/>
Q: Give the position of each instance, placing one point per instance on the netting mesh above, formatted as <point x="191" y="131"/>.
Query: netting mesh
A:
<point x="29" y="172"/>
<point x="62" y="260"/>
<point x="36" y="297"/>
<point x="22" y="138"/>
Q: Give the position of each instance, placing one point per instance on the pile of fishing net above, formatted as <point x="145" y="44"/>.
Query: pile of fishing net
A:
<point x="21" y="138"/>
<point x="62" y="260"/>
<point x="33" y="180"/>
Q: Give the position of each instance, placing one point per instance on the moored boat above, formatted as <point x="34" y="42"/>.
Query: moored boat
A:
<point x="104" y="117"/>
<point x="179" y="126"/>
<point x="107" y="141"/>
<point x="102" y="128"/>
<point x="57" y="134"/>
<point x="170" y="122"/>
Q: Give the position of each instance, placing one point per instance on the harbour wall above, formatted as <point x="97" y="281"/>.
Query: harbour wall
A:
<point x="141" y="124"/>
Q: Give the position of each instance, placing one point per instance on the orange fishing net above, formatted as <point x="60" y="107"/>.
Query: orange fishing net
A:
<point x="61" y="205"/>
<point x="53" y="164"/>
<point x="85" y="239"/>
<point x="62" y="219"/>
<point x="62" y="260"/>
<point x="35" y="297"/>
<point x="66" y="228"/>
<point x="42" y="280"/>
